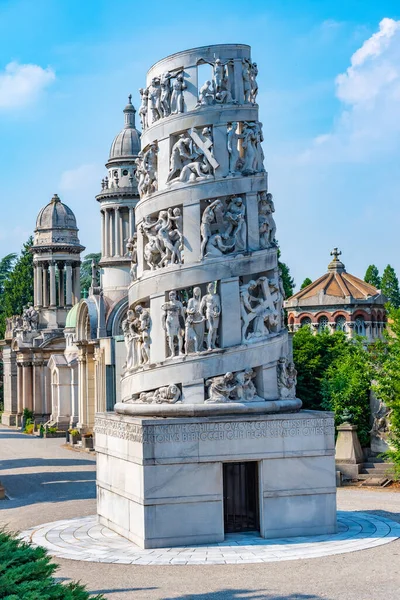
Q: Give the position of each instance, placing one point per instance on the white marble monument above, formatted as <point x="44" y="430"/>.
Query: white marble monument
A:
<point x="207" y="437"/>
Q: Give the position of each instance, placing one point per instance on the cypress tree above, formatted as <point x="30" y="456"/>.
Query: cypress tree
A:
<point x="372" y="276"/>
<point x="390" y="286"/>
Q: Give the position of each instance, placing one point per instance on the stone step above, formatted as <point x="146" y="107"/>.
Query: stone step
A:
<point x="376" y="481"/>
<point x="377" y="465"/>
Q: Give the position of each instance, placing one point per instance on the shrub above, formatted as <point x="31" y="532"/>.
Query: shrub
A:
<point x="74" y="432"/>
<point x="28" y="414"/>
<point x="26" y="573"/>
<point x="52" y="430"/>
<point x="29" y="428"/>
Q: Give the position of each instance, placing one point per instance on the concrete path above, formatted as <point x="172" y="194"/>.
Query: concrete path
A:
<point x="47" y="483"/>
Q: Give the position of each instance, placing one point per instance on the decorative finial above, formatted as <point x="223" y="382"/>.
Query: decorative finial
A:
<point x="130" y="98"/>
<point x="55" y="199"/>
<point x="129" y="112"/>
<point x="336" y="253"/>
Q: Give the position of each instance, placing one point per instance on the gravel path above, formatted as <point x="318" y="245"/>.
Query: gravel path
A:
<point x="46" y="482"/>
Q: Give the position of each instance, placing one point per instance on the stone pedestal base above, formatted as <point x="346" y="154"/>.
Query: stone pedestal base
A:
<point x="160" y="481"/>
<point x="349" y="454"/>
<point x="11" y="419"/>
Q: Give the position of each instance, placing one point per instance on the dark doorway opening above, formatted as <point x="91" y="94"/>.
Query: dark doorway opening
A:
<point x="241" y="509"/>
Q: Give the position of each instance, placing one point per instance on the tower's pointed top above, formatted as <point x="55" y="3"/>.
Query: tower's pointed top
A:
<point x="336" y="264"/>
<point x="129" y="112"/>
<point x="55" y="199"/>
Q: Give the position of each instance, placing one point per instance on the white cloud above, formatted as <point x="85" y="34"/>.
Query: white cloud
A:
<point x="20" y="85"/>
<point x="368" y="124"/>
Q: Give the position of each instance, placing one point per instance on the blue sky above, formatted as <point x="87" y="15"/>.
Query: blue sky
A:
<point x="329" y="80"/>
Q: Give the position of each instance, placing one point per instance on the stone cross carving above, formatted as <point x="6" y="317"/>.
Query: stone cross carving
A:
<point x="336" y="253"/>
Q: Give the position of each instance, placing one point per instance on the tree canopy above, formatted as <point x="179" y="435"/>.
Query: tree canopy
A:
<point x="17" y="288"/>
<point x="390" y="286"/>
<point x="305" y="283"/>
<point x="372" y="276"/>
<point x="86" y="269"/>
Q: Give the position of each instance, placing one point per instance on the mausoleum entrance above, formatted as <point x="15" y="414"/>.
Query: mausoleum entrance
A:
<point x="241" y="489"/>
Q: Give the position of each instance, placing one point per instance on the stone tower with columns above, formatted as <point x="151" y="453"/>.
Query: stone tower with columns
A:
<point x="36" y="335"/>
<point x="118" y="199"/>
<point x="206" y="344"/>
<point x="56" y="258"/>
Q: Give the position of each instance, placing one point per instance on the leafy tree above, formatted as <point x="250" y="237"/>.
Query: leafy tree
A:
<point x="6" y="266"/>
<point x="313" y="354"/>
<point x="305" y="283"/>
<point x="26" y="573"/>
<point x="372" y="276"/>
<point x="387" y="383"/>
<point x="18" y="286"/>
<point x="86" y="269"/>
<point x="390" y="286"/>
<point x="346" y="386"/>
<point x="287" y="279"/>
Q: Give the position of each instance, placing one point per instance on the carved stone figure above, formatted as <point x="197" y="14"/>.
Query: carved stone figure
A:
<point x="257" y="309"/>
<point x="253" y="72"/>
<point x="206" y="94"/>
<point x="249" y="142"/>
<point x="246" y="81"/>
<point x="163" y="238"/>
<point x="144" y="97"/>
<point x="236" y="223"/>
<point x="211" y="307"/>
<point x="169" y="394"/>
<point x="140" y="174"/>
<point x="173" y="323"/>
<point x="131" y="248"/>
<point x="154" y="95"/>
<point x="232" y="387"/>
<point x="181" y="155"/>
<point x="143" y="333"/>
<point x="191" y="339"/>
<point x="165" y="97"/>
<point x="197" y="324"/>
<point x="30" y="318"/>
<point x="259" y="151"/>
<point x="129" y="333"/>
<point x="232" y="144"/>
<point x="381" y="423"/>
<point x="266" y="222"/>
<point x="150" y="169"/>
<point x="219" y="244"/>
<point x="287" y="378"/>
<point x="177" y="99"/>
<point x="208" y="217"/>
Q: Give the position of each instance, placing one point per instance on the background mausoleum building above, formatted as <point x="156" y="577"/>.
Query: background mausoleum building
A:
<point x="338" y="301"/>
<point x="38" y="334"/>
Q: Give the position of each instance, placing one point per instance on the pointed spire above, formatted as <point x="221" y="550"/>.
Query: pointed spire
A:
<point x="129" y="112"/>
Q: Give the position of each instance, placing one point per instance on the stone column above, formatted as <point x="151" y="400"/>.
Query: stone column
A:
<point x="39" y="284"/>
<point x="82" y="393"/>
<point x="53" y="292"/>
<point x="221" y="149"/>
<point x="20" y="390"/>
<point x="35" y="285"/>
<point x="106" y="233"/>
<point x="27" y="386"/>
<point x="158" y="346"/>
<point x="38" y="385"/>
<point x="102" y="231"/>
<point x="230" y="323"/>
<point x="61" y="287"/>
<point x="116" y="232"/>
<point x="131" y="221"/>
<point x="121" y="233"/>
<point x="111" y="233"/>
<point x="68" y="284"/>
<point x="253" y="230"/>
<point x="140" y="258"/>
<point x="238" y="80"/>
<point x="191" y="233"/>
<point x="45" y="273"/>
<point x="76" y="284"/>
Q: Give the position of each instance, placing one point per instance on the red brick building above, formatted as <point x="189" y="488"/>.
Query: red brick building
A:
<point x="338" y="301"/>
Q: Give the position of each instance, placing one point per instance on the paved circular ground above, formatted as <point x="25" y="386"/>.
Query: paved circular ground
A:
<point x="84" y="539"/>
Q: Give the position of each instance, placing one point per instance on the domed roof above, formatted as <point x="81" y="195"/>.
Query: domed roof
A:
<point x="338" y="285"/>
<point x="56" y="224"/>
<point x="72" y="317"/>
<point x="127" y="143"/>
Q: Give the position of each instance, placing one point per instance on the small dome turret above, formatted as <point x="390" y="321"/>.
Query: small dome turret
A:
<point x="127" y="143"/>
<point x="56" y="224"/>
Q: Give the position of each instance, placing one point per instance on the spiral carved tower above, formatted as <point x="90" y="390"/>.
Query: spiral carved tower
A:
<point x="205" y="336"/>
